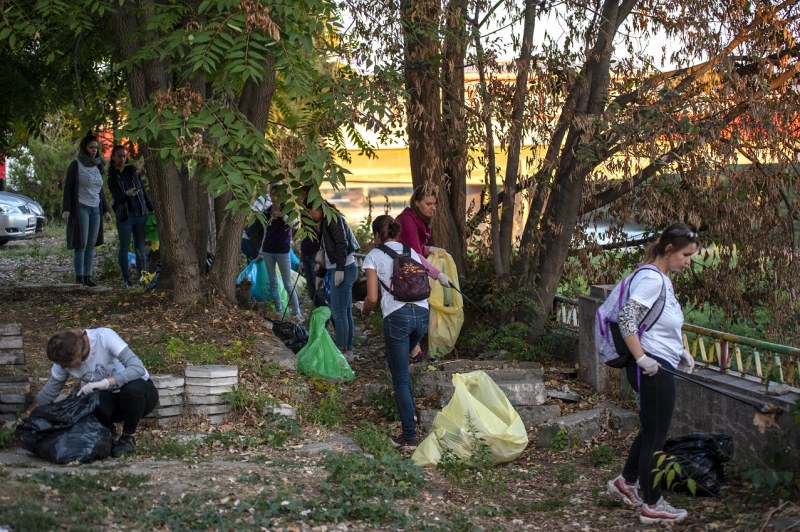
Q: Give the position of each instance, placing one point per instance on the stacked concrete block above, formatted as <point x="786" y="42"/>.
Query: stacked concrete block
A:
<point x="170" y="398"/>
<point x="206" y="387"/>
<point x="13" y="393"/>
<point x="11" y="351"/>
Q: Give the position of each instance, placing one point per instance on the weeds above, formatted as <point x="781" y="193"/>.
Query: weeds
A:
<point x="6" y="437"/>
<point x="601" y="456"/>
<point x="373" y="440"/>
<point x="241" y="400"/>
<point x="324" y="406"/>
<point x="566" y="474"/>
<point x="476" y="471"/>
<point x="170" y="448"/>
<point x="669" y="469"/>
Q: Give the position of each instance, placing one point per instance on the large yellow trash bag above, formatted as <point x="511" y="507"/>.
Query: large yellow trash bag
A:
<point x="478" y="409"/>
<point x="446" y="308"/>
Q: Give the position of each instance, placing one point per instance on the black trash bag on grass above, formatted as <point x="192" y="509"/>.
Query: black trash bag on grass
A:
<point x="291" y="334"/>
<point x="66" y="431"/>
<point x="700" y="455"/>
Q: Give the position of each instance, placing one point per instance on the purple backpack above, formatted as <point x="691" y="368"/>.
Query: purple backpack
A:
<point x="409" y="278"/>
<point x="608" y="341"/>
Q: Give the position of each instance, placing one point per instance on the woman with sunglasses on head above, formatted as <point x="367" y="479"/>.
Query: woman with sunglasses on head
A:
<point x="131" y="204"/>
<point x="103" y="363"/>
<point x="660" y="346"/>
<point x="84" y="207"/>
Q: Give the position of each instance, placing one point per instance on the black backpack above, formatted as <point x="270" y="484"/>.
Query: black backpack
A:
<point x="409" y="277"/>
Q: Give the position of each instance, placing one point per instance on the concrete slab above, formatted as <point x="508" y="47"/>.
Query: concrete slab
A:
<point x="167" y="381"/>
<point x="580" y="427"/>
<point x="207" y="390"/>
<point x="535" y="415"/>
<point x="205" y="399"/>
<point x="214" y="381"/>
<point x="211" y="371"/>
<point x="170" y="400"/>
<point x="208" y="409"/>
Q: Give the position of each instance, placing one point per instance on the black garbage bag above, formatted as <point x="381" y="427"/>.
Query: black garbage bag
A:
<point x="291" y="334"/>
<point x="700" y="455"/>
<point x="66" y="431"/>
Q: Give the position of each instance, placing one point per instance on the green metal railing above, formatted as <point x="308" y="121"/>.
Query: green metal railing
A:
<point x="729" y="353"/>
<point x="747" y="356"/>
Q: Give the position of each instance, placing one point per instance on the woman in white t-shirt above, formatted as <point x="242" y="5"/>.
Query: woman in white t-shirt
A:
<point x="658" y="347"/>
<point x="103" y="363"/>
<point x="404" y="324"/>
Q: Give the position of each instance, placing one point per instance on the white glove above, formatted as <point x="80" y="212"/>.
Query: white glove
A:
<point x="65" y="215"/>
<point x="649" y="366"/>
<point x="94" y="386"/>
<point x="686" y="364"/>
<point x="432" y="249"/>
<point x="360" y="306"/>
<point x="107" y="217"/>
<point x="444" y="280"/>
<point x="132" y="191"/>
<point x="338" y="278"/>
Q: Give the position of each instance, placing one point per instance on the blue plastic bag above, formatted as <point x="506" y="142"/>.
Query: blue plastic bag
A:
<point x="261" y="291"/>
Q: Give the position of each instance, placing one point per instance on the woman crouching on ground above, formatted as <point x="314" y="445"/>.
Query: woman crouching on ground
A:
<point x="404" y="324"/>
<point x="660" y="346"/>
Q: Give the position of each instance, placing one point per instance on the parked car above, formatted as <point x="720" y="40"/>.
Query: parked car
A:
<point x="20" y="217"/>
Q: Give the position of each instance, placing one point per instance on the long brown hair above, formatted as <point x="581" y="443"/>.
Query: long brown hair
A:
<point x="678" y="234"/>
<point x="420" y="193"/>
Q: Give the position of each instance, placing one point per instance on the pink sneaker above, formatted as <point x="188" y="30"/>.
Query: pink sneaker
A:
<point x="627" y="493"/>
<point x="661" y="512"/>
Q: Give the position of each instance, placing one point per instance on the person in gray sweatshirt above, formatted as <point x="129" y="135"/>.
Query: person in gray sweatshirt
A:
<point x="104" y="364"/>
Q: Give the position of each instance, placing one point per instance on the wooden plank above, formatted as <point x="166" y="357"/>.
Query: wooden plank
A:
<point x="10" y="342"/>
<point x="10" y="329"/>
<point x="12" y="357"/>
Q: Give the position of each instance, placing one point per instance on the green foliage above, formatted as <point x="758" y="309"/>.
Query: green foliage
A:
<point x="566" y="474"/>
<point x="475" y="471"/>
<point x="384" y="403"/>
<point x="601" y="455"/>
<point x="6" y="437"/>
<point x="28" y="516"/>
<point x="242" y="400"/>
<point x="324" y="405"/>
<point x="170" y="448"/>
<point x="195" y="353"/>
<point x="373" y="440"/>
<point x="560" y="440"/>
<point x="668" y="468"/>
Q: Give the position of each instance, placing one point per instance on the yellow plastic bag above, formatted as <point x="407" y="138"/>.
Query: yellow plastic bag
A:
<point x="446" y="308"/>
<point x="478" y="409"/>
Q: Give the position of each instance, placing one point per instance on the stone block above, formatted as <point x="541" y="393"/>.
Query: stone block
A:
<point x="170" y="400"/>
<point x="211" y="371"/>
<point x="11" y="407"/>
<point x="192" y="390"/>
<point x="213" y="381"/>
<point x="209" y="409"/>
<point x="620" y="420"/>
<point x="375" y="389"/>
<point x="206" y="399"/>
<point x="216" y="419"/>
<point x="166" y="412"/>
<point x="425" y="421"/>
<point x="524" y="393"/>
<point x="535" y="415"/>
<point x="170" y="391"/>
<point x="7" y="417"/>
<point x="167" y="381"/>
<point x="12" y="398"/>
<point x="580" y="427"/>
<point x="18" y="385"/>
<point x="283" y="409"/>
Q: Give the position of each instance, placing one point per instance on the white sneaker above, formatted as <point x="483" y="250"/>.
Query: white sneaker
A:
<point x="661" y="512"/>
<point x="627" y="493"/>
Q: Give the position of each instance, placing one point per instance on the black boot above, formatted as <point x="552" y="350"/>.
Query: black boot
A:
<point x="125" y="445"/>
<point x="79" y="279"/>
<point x="87" y="281"/>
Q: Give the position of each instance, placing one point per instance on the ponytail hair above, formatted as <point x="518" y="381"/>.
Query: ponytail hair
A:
<point x="678" y="234"/>
<point x="384" y="227"/>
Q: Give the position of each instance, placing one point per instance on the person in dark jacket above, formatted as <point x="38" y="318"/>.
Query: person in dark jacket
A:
<point x="84" y="207"/>
<point x="130" y="203"/>
<point x="338" y="246"/>
<point x="275" y="250"/>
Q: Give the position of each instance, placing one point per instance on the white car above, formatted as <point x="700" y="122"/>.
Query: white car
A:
<point x="20" y="217"/>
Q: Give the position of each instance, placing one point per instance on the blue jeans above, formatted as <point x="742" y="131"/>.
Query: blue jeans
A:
<point x="134" y="225"/>
<point x="341" y="311"/>
<point x="83" y="258"/>
<point x="402" y="330"/>
<point x="283" y="262"/>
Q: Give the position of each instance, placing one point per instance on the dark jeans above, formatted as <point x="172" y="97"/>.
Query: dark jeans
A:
<point x="133" y="226"/>
<point x="656" y="404"/>
<point x="402" y="330"/>
<point x="341" y="312"/>
<point x="133" y="401"/>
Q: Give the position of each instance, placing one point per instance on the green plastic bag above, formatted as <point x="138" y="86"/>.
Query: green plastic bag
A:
<point x="320" y="357"/>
